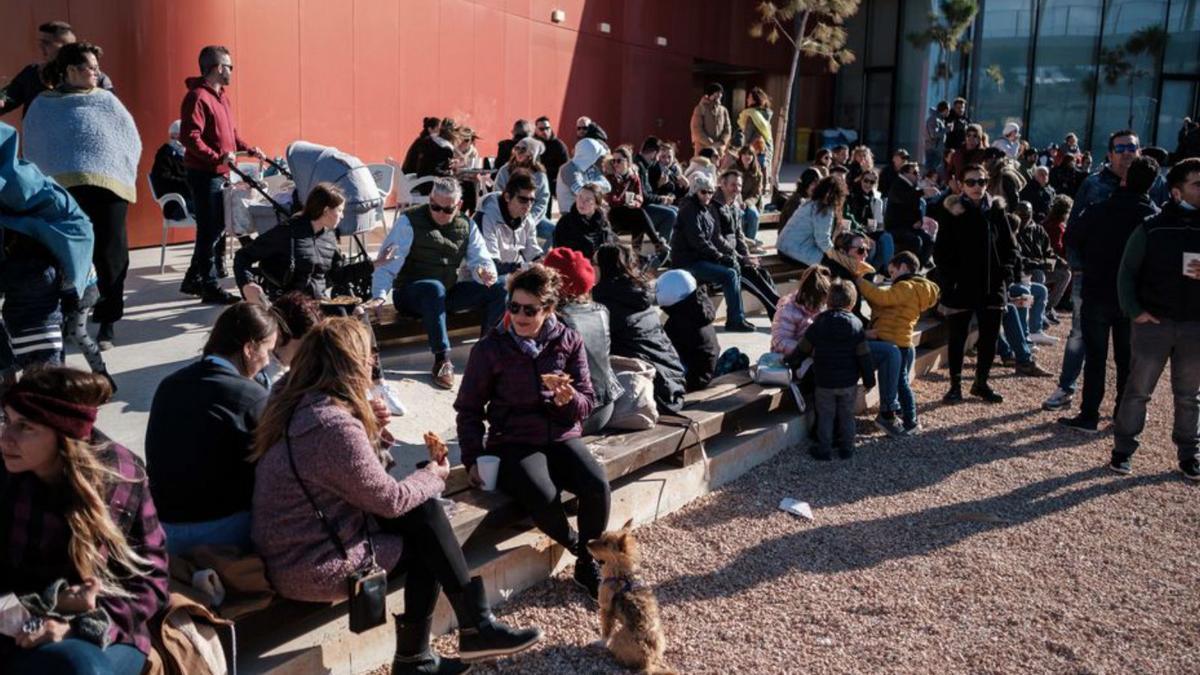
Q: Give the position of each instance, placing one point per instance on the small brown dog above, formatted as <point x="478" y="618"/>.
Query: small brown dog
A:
<point x="638" y="642"/>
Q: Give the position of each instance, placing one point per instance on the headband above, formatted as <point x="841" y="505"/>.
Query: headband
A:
<point x="73" y="420"/>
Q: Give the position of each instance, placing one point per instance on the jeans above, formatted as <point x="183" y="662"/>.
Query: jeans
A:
<point x="835" y="406"/>
<point x="73" y="656"/>
<point x="545" y="232"/>
<point x="1153" y="344"/>
<point x="536" y="477"/>
<point x="959" y="326"/>
<point x="430" y="300"/>
<point x="886" y="357"/>
<point x="1014" y="340"/>
<point x="908" y="402"/>
<point x="183" y="537"/>
<point x="750" y="223"/>
<point x="1073" y="355"/>
<point x="663" y="216"/>
<point x="1098" y="320"/>
<point x="883" y="250"/>
<point x="1033" y="317"/>
<point x="32" y="316"/>
<point x="731" y="285"/>
<point x="210" y="225"/>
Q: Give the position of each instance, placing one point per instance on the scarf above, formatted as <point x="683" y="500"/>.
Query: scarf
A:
<point x="532" y="347"/>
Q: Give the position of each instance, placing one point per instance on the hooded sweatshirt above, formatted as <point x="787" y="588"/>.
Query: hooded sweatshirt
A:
<point x="206" y="129"/>
<point x="581" y="170"/>
<point x="511" y="242"/>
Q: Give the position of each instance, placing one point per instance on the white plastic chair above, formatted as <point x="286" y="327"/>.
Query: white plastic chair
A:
<point x="385" y="179"/>
<point x="406" y="184"/>
<point x="187" y="221"/>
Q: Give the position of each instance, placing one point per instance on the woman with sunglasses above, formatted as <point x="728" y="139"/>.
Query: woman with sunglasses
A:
<point x="527" y="154"/>
<point x="77" y="525"/>
<point x="626" y="200"/>
<point x="977" y="260"/>
<point x="864" y="205"/>
<point x="514" y="393"/>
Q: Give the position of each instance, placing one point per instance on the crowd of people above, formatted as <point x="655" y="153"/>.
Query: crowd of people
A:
<point x="287" y="409"/>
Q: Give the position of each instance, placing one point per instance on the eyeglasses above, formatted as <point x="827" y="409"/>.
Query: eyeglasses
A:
<point x="448" y="210"/>
<point x="523" y="199"/>
<point x="527" y="310"/>
<point x="1122" y="148"/>
<point x="974" y="182"/>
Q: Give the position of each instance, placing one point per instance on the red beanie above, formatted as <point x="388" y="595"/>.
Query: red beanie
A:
<point x="578" y="275"/>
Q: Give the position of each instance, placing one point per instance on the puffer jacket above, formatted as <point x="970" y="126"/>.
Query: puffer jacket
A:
<point x="583" y="168"/>
<point x="637" y="333"/>
<point x="975" y="253"/>
<point x="696" y="235"/>
<point x="584" y="234"/>
<point x="290" y="257"/>
<point x="511" y="243"/>
<point x="897" y="308"/>
<point x="791" y="320"/>
<point x="502" y="386"/>
<point x="807" y="234"/>
<point x="690" y="327"/>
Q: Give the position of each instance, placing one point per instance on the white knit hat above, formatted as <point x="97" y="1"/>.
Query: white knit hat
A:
<point x="173" y="130"/>
<point x="674" y="286"/>
<point x="1011" y="127"/>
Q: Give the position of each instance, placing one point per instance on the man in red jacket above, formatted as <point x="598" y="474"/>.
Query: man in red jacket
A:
<point x="210" y="140"/>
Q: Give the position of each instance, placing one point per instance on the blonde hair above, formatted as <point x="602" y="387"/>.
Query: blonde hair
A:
<point x="333" y="359"/>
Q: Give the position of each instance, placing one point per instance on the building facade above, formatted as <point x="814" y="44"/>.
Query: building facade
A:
<point x="1052" y="66"/>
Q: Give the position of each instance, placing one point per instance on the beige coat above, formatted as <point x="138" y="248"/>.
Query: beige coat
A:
<point x="710" y="126"/>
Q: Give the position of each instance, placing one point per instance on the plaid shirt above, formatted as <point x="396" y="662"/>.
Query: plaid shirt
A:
<point x="34" y="535"/>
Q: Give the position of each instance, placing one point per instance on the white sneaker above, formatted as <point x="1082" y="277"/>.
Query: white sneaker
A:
<point x="1041" y="338"/>
<point x="1059" y="400"/>
<point x="388" y="395"/>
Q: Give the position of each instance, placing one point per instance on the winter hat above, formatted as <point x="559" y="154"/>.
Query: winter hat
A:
<point x="173" y="130"/>
<point x="674" y="286"/>
<point x="578" y="275"/>
<point x="1011" y="127"/>
<point x="73" y="420"/>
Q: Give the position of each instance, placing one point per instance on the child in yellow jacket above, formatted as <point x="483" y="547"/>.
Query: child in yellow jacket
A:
<point x="895" y="311"/>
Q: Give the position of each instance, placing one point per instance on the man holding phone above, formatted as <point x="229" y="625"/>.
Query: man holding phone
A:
<point x="420" y="262"/>
<point x="1158" y="286"/>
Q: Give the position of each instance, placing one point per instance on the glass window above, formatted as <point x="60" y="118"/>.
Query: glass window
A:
<point x="1177" y="97"/>
<point x="1064" y="72"/>
<point x="847" y="113"/>
<point x="1183" y="49"/>
<point x="1001" y="64"/>
<point x="879" y="112"/>
<point x="1129" y="101"/>
<point x="881" y="50"/>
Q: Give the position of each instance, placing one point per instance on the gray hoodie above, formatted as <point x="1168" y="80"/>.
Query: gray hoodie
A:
<point x="583" y="168"/>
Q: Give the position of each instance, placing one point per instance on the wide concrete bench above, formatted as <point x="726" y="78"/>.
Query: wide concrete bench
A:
<point x="291" y="636"/>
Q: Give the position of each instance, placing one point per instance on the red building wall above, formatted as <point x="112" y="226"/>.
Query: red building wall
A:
<point x="360" y="74"/>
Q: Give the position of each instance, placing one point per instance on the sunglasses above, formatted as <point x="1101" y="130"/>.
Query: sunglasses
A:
<point x="580" y="128"/>
<point x="527" y="310"/>
<point x="448" y="210"/>
<point x="545" y="128"/>
<point x="706" y="192"/>
<point x="974" y="182"/>
<point x="868" y="182"/>
<point x="1122" y="148"/>
<point x="860" y="249"/>
<point x="523" y="199"/>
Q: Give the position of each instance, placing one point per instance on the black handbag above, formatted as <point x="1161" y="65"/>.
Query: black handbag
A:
<point x="366" y="587"/>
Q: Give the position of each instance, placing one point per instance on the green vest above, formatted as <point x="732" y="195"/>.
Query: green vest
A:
<point x="437" y="250"/>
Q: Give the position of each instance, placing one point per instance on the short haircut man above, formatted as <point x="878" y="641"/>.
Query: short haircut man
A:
<point x="210" y="57"/>
<point x="1141" y="175"/>
<point x="58" y="30"/>
<point x="713" y="88"/>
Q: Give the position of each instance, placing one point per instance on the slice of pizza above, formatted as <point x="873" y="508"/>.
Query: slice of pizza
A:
<point x="555" y="380"/>
<point x="437" y="447"/>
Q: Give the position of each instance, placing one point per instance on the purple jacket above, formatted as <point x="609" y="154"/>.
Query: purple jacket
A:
<point x="343" y="473"/>
<point x="502" y="386"/>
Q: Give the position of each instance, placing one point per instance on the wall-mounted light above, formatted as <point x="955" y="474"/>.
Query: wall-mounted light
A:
<point x="660" y="41"/>
<point x="558" y="16"/>
<point x="605" y="28"/>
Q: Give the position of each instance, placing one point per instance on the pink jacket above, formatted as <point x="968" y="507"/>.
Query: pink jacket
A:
<point x="344" y="475"/>
<point x="791" y="320"/>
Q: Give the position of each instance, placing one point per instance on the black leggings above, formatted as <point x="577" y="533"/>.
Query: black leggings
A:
<point x="432" y="558"/>
<point x="633" y="221"/>
<point x="110" y="254"/>
<point x="535" y="477"/>
<point x="985" y="347"/>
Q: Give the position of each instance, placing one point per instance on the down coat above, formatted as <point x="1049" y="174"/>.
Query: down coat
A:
<point x="897" y="308"/>
<point x="976" y="253"/>
<point x="637" y="333"/>
<point x="689" y="326"/>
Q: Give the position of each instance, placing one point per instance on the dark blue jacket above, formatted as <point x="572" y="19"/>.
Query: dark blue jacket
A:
<point x="1098" y="236"/>
<point x="838" y="346"/>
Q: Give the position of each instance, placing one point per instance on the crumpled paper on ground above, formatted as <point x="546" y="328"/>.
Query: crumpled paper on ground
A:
<point x="796" y="508"/>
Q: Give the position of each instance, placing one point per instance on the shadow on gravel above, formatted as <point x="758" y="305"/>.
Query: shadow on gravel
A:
<point x="831" y="549"/>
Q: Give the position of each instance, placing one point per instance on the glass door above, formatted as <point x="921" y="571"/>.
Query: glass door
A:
<point x="1178" y="101"/>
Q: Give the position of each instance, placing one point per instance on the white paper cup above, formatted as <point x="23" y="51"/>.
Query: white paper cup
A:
<point x="1188" y="258"/>
<point x="489" y="469"/>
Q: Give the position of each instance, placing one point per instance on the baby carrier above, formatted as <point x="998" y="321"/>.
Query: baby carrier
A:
<point x="311" y="164"/>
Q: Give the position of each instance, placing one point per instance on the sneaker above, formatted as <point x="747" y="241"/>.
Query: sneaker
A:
<point x="1040" y="338"/>
<point x="1059" y="400"/>
<point x="1120" y="465"/>
<point x="1080" y="423"/>
<point x="912" y="428"/>
<point x="191" y="286"/>
<point x="384" y="392"/>
<point x="742" y="327"/>
<point x="218" y="296"/>
<point x="443" y="374"/>
<point x="1191" y="471"/>
<point x="954" y="395"/>
<point x="1032" y="369"/>
<point x="1052" y="318"/>
<point x="889" y="425"/>
<point x="986" y="393"/>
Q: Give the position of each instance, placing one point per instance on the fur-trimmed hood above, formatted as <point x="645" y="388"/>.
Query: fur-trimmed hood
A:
<point x="954" y="204"/>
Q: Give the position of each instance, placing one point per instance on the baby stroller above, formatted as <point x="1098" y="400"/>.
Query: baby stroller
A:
<point x="311" y="164"/>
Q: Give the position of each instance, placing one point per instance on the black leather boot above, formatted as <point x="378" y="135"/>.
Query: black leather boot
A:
<point x="480" y="635"/>
<point x="587" y="570"/>
<point x="414" y="656"/>
<point x="955" y="393"/>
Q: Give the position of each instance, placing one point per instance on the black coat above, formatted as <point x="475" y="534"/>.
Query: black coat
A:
<point x="903" y="206"/>
<point x="697" y="236"/>
<point x="976" y="254"/>
<point x="1033" y="245"/>
<point x="168" y="176"/>
<point x="290" y="257"/>
<point x="412" y="158"/>
<point x="690" y="327"/>
<point x="201" y="430"/>
<point x="1039" y="197"/>
<point x="433" y="160"/>
<point x="1099" y="234"/>
<point x="555" y="155"/>
<point x="504" y="150"/>
<point x="637" y="333"/>
<point x="585" y="235"/>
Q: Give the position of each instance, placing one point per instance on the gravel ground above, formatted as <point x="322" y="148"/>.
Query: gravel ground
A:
<point x="995" y="542"/>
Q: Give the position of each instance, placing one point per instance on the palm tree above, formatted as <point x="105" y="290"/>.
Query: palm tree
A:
<point x="946" y="28"/>
<point x="1118" y="63"/>
<point x="818" y="32"/>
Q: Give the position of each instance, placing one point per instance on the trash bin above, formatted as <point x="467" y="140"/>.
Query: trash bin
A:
<point x="803" y="144"/>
